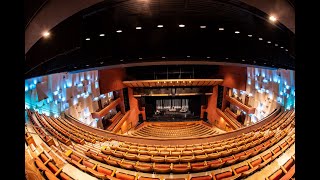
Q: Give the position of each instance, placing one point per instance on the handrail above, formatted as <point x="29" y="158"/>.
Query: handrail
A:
<point x="121" y="121"/>
<point x="227" y="119"/>
<point x="105" y="110"/>
<point x="247" y="109"/>
<point x="174" y="141"/>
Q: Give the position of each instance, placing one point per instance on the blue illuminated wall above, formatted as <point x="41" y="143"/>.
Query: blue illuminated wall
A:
<point x="267" y="89"/>
<point x="74" y="93"/>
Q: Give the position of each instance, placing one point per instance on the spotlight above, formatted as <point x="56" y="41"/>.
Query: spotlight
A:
<point x="272" y="18"/>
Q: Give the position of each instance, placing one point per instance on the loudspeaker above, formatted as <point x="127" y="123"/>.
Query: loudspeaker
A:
<point x="203" y="100"/>
<point x="142" y="102"/>
<point x="140" y="119"/>
<point x="220" y="96"/>
<point x="205" y="116"/>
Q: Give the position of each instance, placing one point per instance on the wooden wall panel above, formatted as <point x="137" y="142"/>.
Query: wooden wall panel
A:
<point x="111" y="79"/>
<point x="234" y="77"/>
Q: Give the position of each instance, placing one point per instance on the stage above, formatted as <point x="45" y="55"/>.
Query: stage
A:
<point x="173" y="116"/>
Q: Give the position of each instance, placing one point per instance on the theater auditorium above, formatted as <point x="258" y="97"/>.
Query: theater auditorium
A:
<point x="159" y="90"/>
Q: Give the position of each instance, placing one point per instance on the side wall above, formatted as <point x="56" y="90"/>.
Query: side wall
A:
<point x="234" y="77"/>
<point x="111" y="79"/>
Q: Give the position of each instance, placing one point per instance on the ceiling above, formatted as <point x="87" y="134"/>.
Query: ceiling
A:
<point x="68" y="50"/>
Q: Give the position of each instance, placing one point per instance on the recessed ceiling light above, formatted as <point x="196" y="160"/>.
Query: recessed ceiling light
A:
<point x="237" y="32"/>
<point x="243" y="60"/>
<point x="101" y="62"/>
<point x="286" y="49"/>
<point x="138" y="27"/>
<point x="208" y="57"/>
<point x="269" y="42"/>
<point x="272" y="65"/>
<point x="249" y="35"/>
<point x="160" y="26"/>
<point x="181" y="25"/>
<point x="46" y="34"/>
<point x="102" y="35"/>
<point x="260" y="39"/>
<point x="87" y="65"/>
<point x="254" y="61"/>
<point x="272" y="18"/>
<point x="264" y="63"/>
<point x="75" y="67"/>
<point x="276" y="44"/>
<point x="227" y="58"/>
<point x="188" y="56"/>
<point x="281" y="47"/>
<point x="221" y="29"/>
<point x="87" y="39"/>
<point x="163" y="57"/>
<point x="119" y="31"/>
<point x="121" y="59"/>
<point x="140" y="58"/>
<point x="203" y="27"/>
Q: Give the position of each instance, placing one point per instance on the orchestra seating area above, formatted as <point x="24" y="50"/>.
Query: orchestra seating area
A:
<point x="243" y="156"/>
<point x="174" y="130"/>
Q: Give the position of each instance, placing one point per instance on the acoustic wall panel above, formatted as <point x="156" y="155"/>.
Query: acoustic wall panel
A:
<point x="55" y="93"/>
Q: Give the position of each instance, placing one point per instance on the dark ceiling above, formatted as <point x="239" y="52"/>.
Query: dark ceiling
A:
<point x="31" y="7"/>
<point x="67" y="49"/>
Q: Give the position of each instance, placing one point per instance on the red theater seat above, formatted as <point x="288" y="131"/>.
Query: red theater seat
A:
<point x="63" y="176"/>
<point x="201" y="178"/>
<point x="180" y="168"/>
<point x="162" y="168"/>
<point x="242" y="169"/>
<point x="50" y="175"/>
<point x="288" y="164"/>
<point x="144" y="168"/>
<point x="277" y="175"/>
<point x="74" y="157"/>
<point x="223" y="175"/>
<point x="256" y="162"/>
<point x="147" y="178"/>
<point x="124" y="176"/>
<point x="104" y="170"/>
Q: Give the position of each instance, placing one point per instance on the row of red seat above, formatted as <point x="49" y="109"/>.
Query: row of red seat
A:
<point x="285" y="172"/>
<point x="194" y="129"/>
<point x="85" y="132"/>
<point x="51" y="130"/>
<point x="47" y="139"/>
<point x="48" y="168"/>
<point x="63" y="131"/>
<point x="184" y="155"/>
<point x="275" y="122"/>
<point x="191" y="165"/>
<point x="74" y="132"/>
<point x="234" y="172"/>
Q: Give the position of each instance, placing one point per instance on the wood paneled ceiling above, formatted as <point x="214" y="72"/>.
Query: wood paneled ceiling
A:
<point x="173" y="82"/>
